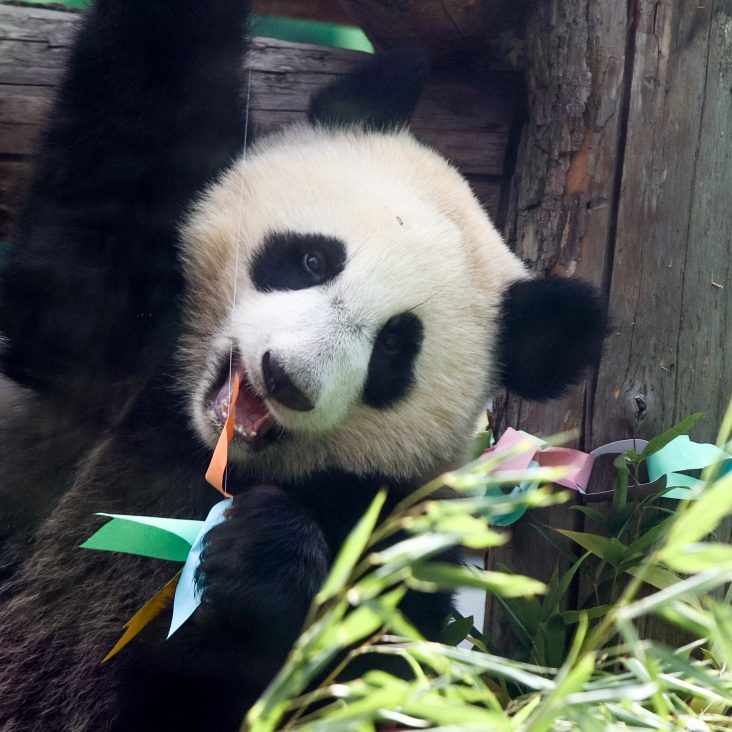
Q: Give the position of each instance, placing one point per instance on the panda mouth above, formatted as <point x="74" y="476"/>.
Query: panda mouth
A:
<point x="252" y="419"/>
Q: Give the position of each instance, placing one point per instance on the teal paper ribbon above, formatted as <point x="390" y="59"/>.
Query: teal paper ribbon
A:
<point x="177" y="540"/>
<point x="159" y="538"/>
<point x="682" y="454"/>
<point x="526" y="486"/>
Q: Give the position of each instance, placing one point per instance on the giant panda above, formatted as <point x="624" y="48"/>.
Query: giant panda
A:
<point x="344" y="271"/>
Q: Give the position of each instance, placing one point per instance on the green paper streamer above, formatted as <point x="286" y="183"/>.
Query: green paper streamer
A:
<point x="682" y="454"/>
<point x="159" y="538"/>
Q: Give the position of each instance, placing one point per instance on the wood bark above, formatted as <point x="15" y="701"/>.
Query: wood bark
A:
<point x="328" y="11"/>
<point x="623" y="177"/>
<point x="442" y="27"/>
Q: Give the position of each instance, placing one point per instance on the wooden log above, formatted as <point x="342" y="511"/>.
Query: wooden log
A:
<point x="444" y="28"/>
<point x="328" y="11"/>
<point x="468" y="120"/>
<point x="623" y="176"/>
<point x="671" y="287"/>
<point x="559" y="217"/>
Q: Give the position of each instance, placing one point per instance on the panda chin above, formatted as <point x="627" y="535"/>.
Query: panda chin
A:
<point x="253" y="421"/>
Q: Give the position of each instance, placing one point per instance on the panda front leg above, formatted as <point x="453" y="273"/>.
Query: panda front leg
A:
<point x="261" y="567"/>
<point x="259" y="571"/>
<point x="150" y="110"/>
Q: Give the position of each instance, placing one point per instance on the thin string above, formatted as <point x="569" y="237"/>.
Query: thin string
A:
<point x="242" y="158"/>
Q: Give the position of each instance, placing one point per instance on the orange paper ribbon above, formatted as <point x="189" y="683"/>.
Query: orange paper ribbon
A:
<point x="147" y="613"/>
<point x="217" y="466"/>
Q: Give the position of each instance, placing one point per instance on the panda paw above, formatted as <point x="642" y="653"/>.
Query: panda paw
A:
<point x="263" y="564"/>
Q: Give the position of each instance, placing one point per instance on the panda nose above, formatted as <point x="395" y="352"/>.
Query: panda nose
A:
<point x="280" y="386"/>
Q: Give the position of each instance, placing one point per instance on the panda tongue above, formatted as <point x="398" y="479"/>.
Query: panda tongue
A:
<point x="251" y="416"/>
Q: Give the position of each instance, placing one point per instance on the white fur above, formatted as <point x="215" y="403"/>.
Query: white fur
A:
<point x="417" y="240"/>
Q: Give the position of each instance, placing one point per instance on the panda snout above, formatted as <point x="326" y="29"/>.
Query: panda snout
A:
<point x="280" y="386"/>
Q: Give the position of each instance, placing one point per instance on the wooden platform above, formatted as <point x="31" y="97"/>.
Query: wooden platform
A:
<point x="460" y="118"/>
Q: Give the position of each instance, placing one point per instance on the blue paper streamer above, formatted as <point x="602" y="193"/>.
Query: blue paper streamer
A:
<point x="186" y="597"/>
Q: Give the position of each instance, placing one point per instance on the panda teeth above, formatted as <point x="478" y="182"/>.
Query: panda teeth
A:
<point x="252" y="417"/>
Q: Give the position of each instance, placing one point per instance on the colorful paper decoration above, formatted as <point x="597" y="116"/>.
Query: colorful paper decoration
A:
<point x="186" y="597"/>
<point x="181" y="540"/>
<point x="537" y="454"/>
<point x="148" y="612"/>
<point x="666" y="467"/>
<point x="159" y="538"/>
<point x="578" y="463"/>
<point x="494" y="491"/>
<point x="682" y="455"/>
<point x="216" y="472"/>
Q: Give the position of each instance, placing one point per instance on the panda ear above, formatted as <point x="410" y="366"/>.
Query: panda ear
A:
<point x="379" y="95"/>
<point x="551" y="331"/>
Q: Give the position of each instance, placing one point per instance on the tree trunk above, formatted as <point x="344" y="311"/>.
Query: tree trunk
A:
<point x="446" y="29"/>
<point x="623" y="177"/>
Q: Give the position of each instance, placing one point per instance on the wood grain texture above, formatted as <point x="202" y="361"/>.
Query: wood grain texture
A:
<point x="671" y="285"/>
<point x="623" y="176"/>
<point x="670" y="289"/>
<point x="442" y="27"/>
<point x="468" y="120"/>
<point x="559" y="217"/>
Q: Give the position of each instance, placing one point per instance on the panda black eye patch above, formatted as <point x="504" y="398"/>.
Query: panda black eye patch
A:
<point x="291" y="261"/>
<point x="391" y="368"/>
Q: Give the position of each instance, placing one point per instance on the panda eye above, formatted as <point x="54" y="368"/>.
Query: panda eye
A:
<point x="312" y="263"/>
<point x="287" y="260"/>
<point x="391" y="344"/>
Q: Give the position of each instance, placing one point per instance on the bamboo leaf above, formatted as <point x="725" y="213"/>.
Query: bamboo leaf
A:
<point x="456" y="632"/>
<point x="722" y="618"/>
<point x="505" y="668"/>
<point x="474" y="532"/>
<point x="659" y="442"/>
<point x="600" y="546"/>
<point x="444" y="576"/>
<point x="651" y="536"/>
<point x="704" y="677"/>
<point x="692" y="585"/>
<point x="702" y="516"/>
<point x="555" y="595"/>
<point x="575" y="677"/>
<point x="594" y="515"/>
<point x="361" y="622"/>
<point x="694" y="558"/>
<point x="620" y="494"/>
<point x="351" y="550"/>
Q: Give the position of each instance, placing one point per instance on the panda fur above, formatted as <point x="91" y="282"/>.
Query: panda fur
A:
<point x="361" y="292"/>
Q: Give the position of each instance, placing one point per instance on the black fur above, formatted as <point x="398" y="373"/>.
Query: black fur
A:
<point x="259" y="572"/>
<point x="283" y="262"/>
<point x="380" y="95"/>
<point x="552" y="330"/>
<point x="391" y="367"/>
<point x="151" y="110"/>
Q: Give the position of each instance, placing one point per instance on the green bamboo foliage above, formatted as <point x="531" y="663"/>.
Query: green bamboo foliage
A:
<point x="585" y="670"/>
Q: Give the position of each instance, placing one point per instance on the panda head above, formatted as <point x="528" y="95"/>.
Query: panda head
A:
<point x="349" y="276"/>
